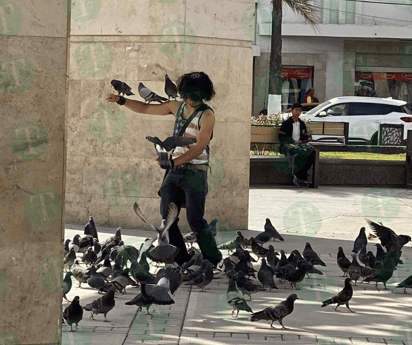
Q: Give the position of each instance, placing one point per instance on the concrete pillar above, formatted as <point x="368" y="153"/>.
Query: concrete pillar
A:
<point x="33" y="78"/>
<point x="110" y="163"/>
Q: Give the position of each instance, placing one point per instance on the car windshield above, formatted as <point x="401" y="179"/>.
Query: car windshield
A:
<point x="408" y="108"/>
<point x="320" y="106"/>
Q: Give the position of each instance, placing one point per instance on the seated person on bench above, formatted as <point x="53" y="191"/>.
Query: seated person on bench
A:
<point x="294" y="136"/>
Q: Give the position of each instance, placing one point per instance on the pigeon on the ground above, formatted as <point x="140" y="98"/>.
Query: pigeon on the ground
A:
<point x="384" y="268"/>
<point x="70" y="257"/>
<point x="150" y="96"/>
<point x="361" y="241"/>
<point x="343" y="261"/>
<point x="283" y="261"/>
<point x="389" y="239"/>
<point x="354" y="269"/>
<point x="295" y="277"/>
<point x="265" y="276"/>
<point x="190" y="238"/>
<point x="75" y="244"/>
<point x="363" y="257"/>
<point x="90" y="229"/>
<point x="106" y="269"/>
<point x="73" y="314"/>
<point x="67" y="284"/>
<point x="270" y="234"/>
<point x="407" y="283"/>
<point x="246" y="286"/>
<point x="66" y="246"/>
<point x="159" y="293"/>
<point x="170" y="88"/>
<point x="235" y="299"/>
<point x="127" y="253"/>
<point x="278" y="313"/>
<point x="121" y="87"/>
<point x="102" y="305"/>
<point x="204" y="276"/>
<point x="343" y="297"/>
<point x="173" y="274"/>
<point x="89" y="257"/>
<point x="80" y="274"/>
<point x="271" y="257"/>
<point x="379" y="252"/>
<point x="97" y="281"/>
<point x="257" y="249"/>
<point x="310" y="255"/>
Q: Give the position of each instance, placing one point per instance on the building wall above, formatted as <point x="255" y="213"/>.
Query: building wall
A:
<point x="136" y="43"/>
<point x="33" y="70"/>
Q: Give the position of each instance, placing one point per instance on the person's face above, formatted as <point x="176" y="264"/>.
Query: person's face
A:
<point x="296" y="113"/>
<point x="192" y="103"/>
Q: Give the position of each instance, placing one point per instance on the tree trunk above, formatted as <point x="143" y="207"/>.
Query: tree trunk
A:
<point x="275" y="61"/>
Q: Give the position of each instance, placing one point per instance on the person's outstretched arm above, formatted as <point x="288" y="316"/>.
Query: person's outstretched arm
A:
<point x="166" y="108"/>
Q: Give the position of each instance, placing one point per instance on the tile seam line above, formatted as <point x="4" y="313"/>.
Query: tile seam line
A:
<point x="184" y="315"/>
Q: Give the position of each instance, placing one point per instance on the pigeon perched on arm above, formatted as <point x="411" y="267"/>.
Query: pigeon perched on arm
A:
<point x="73" y="313"/>
<point x="360" y="242"/>
<point x="150" y="96"/>
<point x="343" y="297"/>
<point x="278" y="313"/>
<point x="389" y="239"/>
<point x="121" y="87"/>
<point x="170" y="88"/>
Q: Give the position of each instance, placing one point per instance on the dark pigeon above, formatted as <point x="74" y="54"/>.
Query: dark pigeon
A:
<point x="257" y="249"/>
<point x="73" y="314"/>
<point x="121" y="87"/>
<point x="246" y="286"/>
<point x="379" y="251"/>
<point x="354" y="269"/>
<point x="265" y="276"/>
<point x="310" y="255"/>
<point x="66" y="246"/>
<point x="89" y="257"/>
<point x="173" y="274"/>
<point x="67" y="285"/>
<point x="70" y="257"/>
<point x="389" y="239"/>
<point x="407" y="283"/>
<point x="363" y="257"/>
<point x="171" y="143"/>
<point x="90" y="229"/>
<point x="170" y="88"/>
<point x="272" y="259"/>
<point x="150" y="96"/>
<point x="384" y="268"/>
<point x="102" y="305"/>
<point x="159" y="293"/>
<point x="270" y="234"/>
<point x="278" y="313"/>
<point x="361" y="241"/>
<point x="106" y="269"/>
<point x="343" y="297"/>
<point x="75" y="244"/>
<point x="97" y="281"/>
<point x="343" y="261"/>
<point x="204" y="276"/>
<point x="235" y="299"/>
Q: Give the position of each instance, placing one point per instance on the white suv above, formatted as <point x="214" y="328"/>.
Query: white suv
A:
<point x="364" y="115"/>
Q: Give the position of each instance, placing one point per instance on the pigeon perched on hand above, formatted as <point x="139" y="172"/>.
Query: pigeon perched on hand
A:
<point x="121" y="87"/>
<point x="361" y="241"/>
<point x="73" y="313"/>
<point x="170" y="88"/>
<point x="389" y="239"/>
<point x="343" y="297"/>
<point x="150" y="96"/>
<point x="278" y="313"/>
<point x="270" y="234"/>
<point x="171" y="143"/>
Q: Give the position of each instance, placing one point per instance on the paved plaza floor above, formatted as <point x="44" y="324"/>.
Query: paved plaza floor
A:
<point x="327" y="217"/>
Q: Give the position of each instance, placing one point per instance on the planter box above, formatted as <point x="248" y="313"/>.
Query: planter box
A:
<point x="264" y="134"/>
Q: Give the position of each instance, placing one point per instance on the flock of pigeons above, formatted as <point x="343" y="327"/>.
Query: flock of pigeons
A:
<point x="110" y="267"/>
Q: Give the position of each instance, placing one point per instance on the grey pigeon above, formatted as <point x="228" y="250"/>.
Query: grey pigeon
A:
<point x="363" y="257"/>
<point x="355" y="270"/>
<point x="265" y="276"/>
<point x="97" y="281"/>
<point x="89" y="257"/>
<point x="343" y="297"/>
<point x="141" y="301"/>
<point x="66" y="246"/>
<point x="80" y="274"/>
<point x="310" y="255"/>
<point x="389" y="239"/>
<point x="170" y="88"/>
<point x="278" y="313"/>
<point x="407" y="283"/>
<point x="270" y="233"/>
<point x="272" y="259"/>
<point x="257" y="249"/>
<point x="67" y="284"/>
<point x="343" y="261"/>
<point x="73" y="314"/>
<point x="75" y="244"/>
<point x="106" y="269"/>
<point x="171" y="143"/>
<point x="361" y="241"/>
<point x="121" y="87"/>
<point x="190" y="238"/>
<point x="149" y="96"/>
<point x="204" y="276"/>
<point x="235" y="299"/>
<point x="246" y="286"/>
<point x="70" y="257"/>
<point x="173" y="274"/>
<point x="102" y="305"/>
<point x="159" y="293"/>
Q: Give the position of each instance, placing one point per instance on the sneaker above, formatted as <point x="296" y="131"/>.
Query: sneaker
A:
<point x="295" y="181"/>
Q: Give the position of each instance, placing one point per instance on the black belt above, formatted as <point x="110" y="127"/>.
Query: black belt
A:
<point x="193" y="167"/>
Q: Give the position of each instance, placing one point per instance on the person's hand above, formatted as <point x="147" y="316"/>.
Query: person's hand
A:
<point x="297" y="141"/>
<point x="112" y="98"/>
<point x="166" y="164"/>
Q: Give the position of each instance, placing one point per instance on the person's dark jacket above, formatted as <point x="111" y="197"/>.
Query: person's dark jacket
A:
<point x="286" y="130"/>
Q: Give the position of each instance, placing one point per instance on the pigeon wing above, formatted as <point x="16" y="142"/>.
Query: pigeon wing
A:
<point x="139" y="213"/>
<point x="386" y="235"/>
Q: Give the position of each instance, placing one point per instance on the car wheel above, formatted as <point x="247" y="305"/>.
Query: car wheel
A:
<point x="374" y="139"/>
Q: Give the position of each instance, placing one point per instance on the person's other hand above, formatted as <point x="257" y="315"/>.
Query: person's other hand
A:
<point x="112" y="98"/>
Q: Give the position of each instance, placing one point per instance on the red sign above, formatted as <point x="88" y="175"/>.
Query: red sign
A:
<point x="383" y="76"/>
<point x="297" y="73"/>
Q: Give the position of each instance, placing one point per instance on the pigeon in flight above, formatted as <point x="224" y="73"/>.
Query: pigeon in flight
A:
<point x="73" y="313"/>
<point x="343" y="297"/>
<point x="389" y="239"/>
<point x="278" y="313"/>
<point x="170" y="88"/>
<point x="121" y="87"/>
<point x="149" y="96"/>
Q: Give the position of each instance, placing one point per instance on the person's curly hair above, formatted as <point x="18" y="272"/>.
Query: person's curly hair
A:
<point x="195" y="85"/>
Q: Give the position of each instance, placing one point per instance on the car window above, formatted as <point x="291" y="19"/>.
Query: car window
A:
<point x="371" y="109"/>
<point x="320" y="106"/>
<point x="336" y="110"/>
